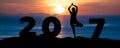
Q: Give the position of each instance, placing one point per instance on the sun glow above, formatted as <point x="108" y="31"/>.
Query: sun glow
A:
<point x="59" y="9"/>
<point x="60" y="6"/>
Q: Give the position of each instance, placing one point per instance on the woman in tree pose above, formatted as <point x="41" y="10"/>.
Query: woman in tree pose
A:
<point x="73" y="20"/>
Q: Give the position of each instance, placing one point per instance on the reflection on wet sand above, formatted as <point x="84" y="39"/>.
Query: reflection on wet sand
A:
<point x="60" y="35"/>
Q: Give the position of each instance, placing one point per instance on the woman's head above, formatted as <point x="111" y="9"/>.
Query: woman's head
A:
<point x="73" y="9"/>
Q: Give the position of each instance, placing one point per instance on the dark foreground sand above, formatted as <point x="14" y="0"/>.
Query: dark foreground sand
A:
<point x="52" y="42"/>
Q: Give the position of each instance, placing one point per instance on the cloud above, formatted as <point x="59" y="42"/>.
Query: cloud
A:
<point x="94" y="4"/>
<point x="99" y="8"/>
<point x="22" y="6"/>
<point x="17" y="1"/>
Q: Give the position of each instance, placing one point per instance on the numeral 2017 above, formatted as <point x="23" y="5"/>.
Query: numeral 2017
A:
<point x="57" y="26"/>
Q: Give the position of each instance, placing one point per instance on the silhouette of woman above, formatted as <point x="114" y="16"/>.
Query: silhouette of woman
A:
<point x="73" y="20"/>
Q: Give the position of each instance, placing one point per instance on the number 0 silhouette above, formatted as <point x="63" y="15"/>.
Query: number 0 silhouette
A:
<point x="57" y="26"/>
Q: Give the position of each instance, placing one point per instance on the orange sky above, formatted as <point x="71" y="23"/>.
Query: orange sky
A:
<point x="86" y="7"/>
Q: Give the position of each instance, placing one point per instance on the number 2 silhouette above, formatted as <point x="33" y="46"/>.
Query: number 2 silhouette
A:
<point x="25" y="32"/>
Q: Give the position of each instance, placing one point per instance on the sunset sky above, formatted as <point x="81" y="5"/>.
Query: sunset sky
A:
<point x="86" y="7"/>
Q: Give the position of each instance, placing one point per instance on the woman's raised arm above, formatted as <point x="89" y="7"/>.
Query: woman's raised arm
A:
<point x="70" y="7"/>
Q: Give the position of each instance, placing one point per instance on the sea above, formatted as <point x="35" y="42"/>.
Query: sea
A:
<point x="10" y="26"/>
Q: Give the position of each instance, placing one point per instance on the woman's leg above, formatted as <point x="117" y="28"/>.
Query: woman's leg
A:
<point x="73" y="28"/>
<point x="79" y="24"/>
